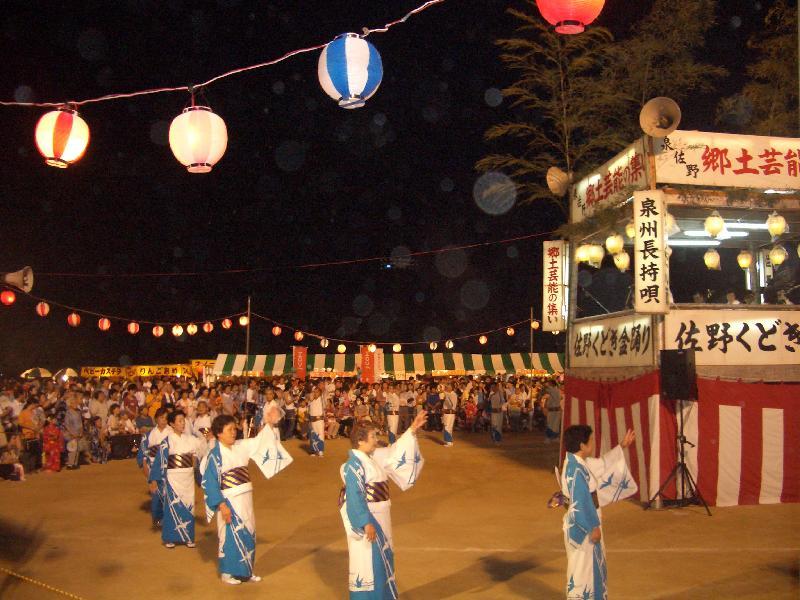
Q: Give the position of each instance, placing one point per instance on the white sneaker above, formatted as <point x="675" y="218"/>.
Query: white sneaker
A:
<point x="255" y="578"/>
<point x="230" y="579"/>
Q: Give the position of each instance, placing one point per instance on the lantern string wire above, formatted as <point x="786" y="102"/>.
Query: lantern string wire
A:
<point x="318" y="265"/>
<point x="270" y="320"/>
<point x="189" y="88"/>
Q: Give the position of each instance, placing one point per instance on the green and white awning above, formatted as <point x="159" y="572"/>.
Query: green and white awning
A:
<point x="392" y="364"/>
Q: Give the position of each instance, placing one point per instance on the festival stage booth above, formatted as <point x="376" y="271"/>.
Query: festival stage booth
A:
<point x="702" y="237"/>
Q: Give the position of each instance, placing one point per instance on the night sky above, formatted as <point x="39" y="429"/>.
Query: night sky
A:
<point x="302" y="181"/>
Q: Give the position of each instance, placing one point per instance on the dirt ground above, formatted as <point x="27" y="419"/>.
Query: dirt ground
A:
<point x="475" y="526"/>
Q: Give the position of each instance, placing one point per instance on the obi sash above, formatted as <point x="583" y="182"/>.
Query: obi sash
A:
<point x="234" y="477"/>
<point x="152" y="451"/>
<point x="375" y="492"/>
<point x="180" y="461"/>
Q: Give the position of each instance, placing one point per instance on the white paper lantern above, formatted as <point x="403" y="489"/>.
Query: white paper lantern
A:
<point x="622" y="260"/>
<point x="778" y="255"/>
<point x="714" y="224"/>
<point x="671" y="225"/>
<point x="615" y="243"/>
<point x="582" y="253"/>
<point x="341" y="348"/>
<point x="433" y="345"/>
<point x="198" y="138"/>
<point x="711" y="258"/>
<point x="350" y="70"/>
<point x="372" y="348"/>
<point x="191" y="329"/>
<point x="596" y="254"/>
<point x="177" y="330"/>
<point x="61" y="137"/>
<point x="630" y="230"/>
<point x="776" y="224"/>
<point x="324" y="342"/>
<point x="397" y="348"/>
<point x="482" y="340"/>
<point x="745" y="259"/>
<point x="449" y="344"/>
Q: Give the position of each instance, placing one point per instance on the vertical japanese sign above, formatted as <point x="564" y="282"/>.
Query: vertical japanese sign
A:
<point x="553" y="305"/>
<point x="367" y="365"/>
<point x="299" y="355"/>
<point x="650" y="277"/>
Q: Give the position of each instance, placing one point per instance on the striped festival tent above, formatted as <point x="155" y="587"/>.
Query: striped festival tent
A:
<point x="395" y="365"/>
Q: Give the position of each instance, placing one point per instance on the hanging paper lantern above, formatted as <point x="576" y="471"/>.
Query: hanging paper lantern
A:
<point x="226" y="323"/>
<point x="482" y="340"/>
<point x="570" y="16"/>
<point x="714" y="224"/>
<point x="8" y="297"/>
<point x="208" y="327"/>
<point x="582" y="253"/>
<point x="298" y="336"/>
<point x="158" y="331"/>
<point x="133" y="328"/>
<point x="341" y="348"/>
<point x="350" y="70"/>
<point x="43" y="309"/>
<point x="776" y="224"/>
<point x="103" y="324"/>
<point x="449" y="344"/>
<point x="711" y="258"/>
<point x="244" y="321"/>
<point x="433" y="345"/>
<point x="198" y="138"/>
<point x="745" y="259"/>
<point x="671" y="225"/>
<point x="630" y="230"/>
<point x="614" y="243"/>
<point x="397" y="348"/>
<point x="73" y="320"/>
<point x="276" y="331"/>
<point x="622" y="260"/>
<point x="372" y="348"/>
<point x="191" y="329"/>
<point x="61" y="137"/>
<point x="510" y="332"/>
<point x="324" y="342"/>
<point x="177" y="330"/>
<point x="534" y="324"/>
<point x="778" y="255"/>
<point x="596" y="254"/>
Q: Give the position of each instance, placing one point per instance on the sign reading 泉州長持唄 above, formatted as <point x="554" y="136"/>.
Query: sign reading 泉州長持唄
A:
<point x="650" y="272"/>
<point x="554" y="277"/>
<point x="612" y="342"/>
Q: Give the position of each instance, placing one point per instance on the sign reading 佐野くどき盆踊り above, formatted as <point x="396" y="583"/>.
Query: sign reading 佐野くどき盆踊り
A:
<point x="612" y="342"/>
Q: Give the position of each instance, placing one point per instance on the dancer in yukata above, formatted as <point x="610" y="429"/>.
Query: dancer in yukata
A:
<point x="148" y="449"/>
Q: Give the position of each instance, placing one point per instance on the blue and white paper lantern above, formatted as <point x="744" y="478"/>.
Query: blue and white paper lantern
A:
<point x="350" y="70"/>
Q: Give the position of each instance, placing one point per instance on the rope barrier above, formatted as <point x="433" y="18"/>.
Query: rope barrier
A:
<point x="41" y="584"/>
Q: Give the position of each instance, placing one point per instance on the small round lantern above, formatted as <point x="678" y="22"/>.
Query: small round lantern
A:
<point x="158" y="331"/>
<point x="298" y="336"/>
<point x="714" y="224"/>
<point x="133" y="328"/>
<point x="244" y="321"/>
<point x="397" y="348"/>
<point x="191" y="329"/>
<point x="582" y="253"/>
<point x="615" y="243"/>
<point x="276" y="331"/>
<point x="227" y="323"/>
<point x="570" y="16"/>
<point x="433" y="345"/>
<point x="482" y="340"/>
<point x="324" y="342"/>
<point x="8" y="297"/>
<point x="43" y="309"/>
<point x="341" y="348"/>
<point x="177" y="330"/>
<point x="61" y="137"/>
<point x="622" y="260"/>
<point x="198" y="138"/>
<point x="630" y="230"/>
<point x="745" y="259"/>
<point x="73" y="320"/>
<point x="778" y="255"/>
<point x="776" y="224"/>
<point x="372" y="348"/>
<point x="596" y="254"/>
<point x="711" y="258"/>
<point x="449" y="344"/>
<point x="350" y="70"/>
<point x="535" y="325"/>
<point x="510" y="332"/>
<point x="208" y="327"/>
<point x="103" y="324"/>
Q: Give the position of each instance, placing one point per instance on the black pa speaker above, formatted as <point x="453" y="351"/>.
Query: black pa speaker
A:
<point x="678" y="375"/>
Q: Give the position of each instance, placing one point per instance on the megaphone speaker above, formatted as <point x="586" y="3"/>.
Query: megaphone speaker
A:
<point x="660" y="117"/>
<point x="22" y="279"/>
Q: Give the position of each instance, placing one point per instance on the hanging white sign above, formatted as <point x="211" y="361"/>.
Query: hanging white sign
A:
<point x="650" y="274"/>
<point x="554" y="309"/>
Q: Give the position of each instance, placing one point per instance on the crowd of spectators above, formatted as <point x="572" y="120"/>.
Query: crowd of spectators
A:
<point x="47" y="424"/>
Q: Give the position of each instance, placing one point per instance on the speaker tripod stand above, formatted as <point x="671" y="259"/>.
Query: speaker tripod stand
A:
<point x="689" y="492"/>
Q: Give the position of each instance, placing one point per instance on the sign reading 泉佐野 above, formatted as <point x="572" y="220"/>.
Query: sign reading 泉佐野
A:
<point x="553" y="278"/>
<point x="650" y="273"/>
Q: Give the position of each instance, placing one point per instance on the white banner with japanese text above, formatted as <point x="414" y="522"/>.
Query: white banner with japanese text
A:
<point x="725" y="160"/>
<point x="612" y="342"/>
<point x="609" y="184"/>
<point x="554" y="313"/>
<point x="727" y="336"/>
<point x="650" y="273"/>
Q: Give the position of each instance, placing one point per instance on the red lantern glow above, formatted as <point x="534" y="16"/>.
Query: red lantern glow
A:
<point x="133" y="328"/>
<point x="43" y="309"/>
<point x="226" y="323"/>
<point x="104" y="324"/>
<point x="8" y="297"/>
<point x="570" y="16"/>
<point x="74" y="319"/>
<point x="298" y="335"/>
<point x="276" y="330"/>
<point x="208" y="327"/>
<point x="158" y="331"/>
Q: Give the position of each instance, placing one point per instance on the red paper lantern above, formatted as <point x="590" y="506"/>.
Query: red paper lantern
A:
<point x="104" y="324"/>
<point x="570" y="16"/>
<point x="8" y="297"/>
<point x="133" y="328"/>
<point x="226" y="323"/>
<point x="158" y="331"/>
<point x="298" y="335"/>
<point x="208" y="327"/>
<point x="74" y="319"/>
<point x="43" y="309"/>
<point x="61" y="137"/>
<point x="276" y="330"/>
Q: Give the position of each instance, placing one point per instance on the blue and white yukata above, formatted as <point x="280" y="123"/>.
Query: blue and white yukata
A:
<point x="148" y="449"/>
<point x="607" y="479"/>
<point x="173" y="469"/>
<point x="365" y="499"/>
<point x="392" y="415"/>
<point x="226" y="479"/>
<point x="449" y="408"/>
<point x="316" y="431"/>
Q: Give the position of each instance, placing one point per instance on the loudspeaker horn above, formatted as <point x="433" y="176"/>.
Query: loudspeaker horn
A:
<point x="558" y="181"/>
<point x="22" y="279"/>
<point x="660" y="117"/>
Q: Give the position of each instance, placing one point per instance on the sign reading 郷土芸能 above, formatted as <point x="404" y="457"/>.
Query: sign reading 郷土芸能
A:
<point x="554" y="277"/>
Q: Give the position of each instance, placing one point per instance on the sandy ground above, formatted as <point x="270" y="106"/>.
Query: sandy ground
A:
<point x="475" y="526"/>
